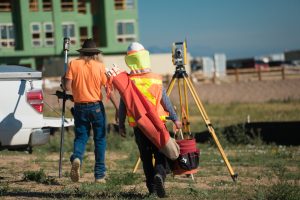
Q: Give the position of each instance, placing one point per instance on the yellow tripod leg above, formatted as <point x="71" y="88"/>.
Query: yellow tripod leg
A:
<point x="180" y="100"/>
<point x="187" y="115"/>
<point x="170" y="87"/>
<point x="209" y="126"/>
<point x="136" y="165"/>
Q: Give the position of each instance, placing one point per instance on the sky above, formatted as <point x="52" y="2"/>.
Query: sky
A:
<point x="238" y="28"/>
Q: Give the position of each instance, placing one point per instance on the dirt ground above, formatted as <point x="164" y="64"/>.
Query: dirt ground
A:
<point x="12" y="166"/>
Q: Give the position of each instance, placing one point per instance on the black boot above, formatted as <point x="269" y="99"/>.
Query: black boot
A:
<point x="159" y="186"/>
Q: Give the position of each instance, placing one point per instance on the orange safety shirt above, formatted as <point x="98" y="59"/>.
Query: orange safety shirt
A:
<point x="87" y="79"/>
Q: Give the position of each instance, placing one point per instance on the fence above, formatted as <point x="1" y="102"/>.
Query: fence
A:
<point x="238" y="75"/>
<point x="271" y="73"/>
<point x="235" y="75"/>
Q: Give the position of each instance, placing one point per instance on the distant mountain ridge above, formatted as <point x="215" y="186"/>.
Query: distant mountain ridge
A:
<point x="156" y="49"/>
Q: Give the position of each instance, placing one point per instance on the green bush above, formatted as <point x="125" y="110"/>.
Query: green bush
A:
<point x="236" y="134"/>
<point x="39" y="177"/>
<point x="239" y="134"/>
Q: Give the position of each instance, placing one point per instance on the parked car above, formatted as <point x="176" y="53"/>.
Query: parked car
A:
<point x="280" y="63"/>
<point x="22" y="123"/>
<point x="247" y="63"/>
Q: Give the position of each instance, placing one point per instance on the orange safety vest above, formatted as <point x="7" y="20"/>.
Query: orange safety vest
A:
<point x="150" y="85"/>
<point x="144" y="112"/>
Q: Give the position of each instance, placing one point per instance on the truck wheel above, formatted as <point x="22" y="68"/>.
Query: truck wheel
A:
<point x="30" y="150"/>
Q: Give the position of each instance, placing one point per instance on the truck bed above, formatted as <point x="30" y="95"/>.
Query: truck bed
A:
<point x="18" y="72"/>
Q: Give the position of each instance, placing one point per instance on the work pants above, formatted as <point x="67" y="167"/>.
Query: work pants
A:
<point x="147" y="149"/>
<point x="87" y="117"/>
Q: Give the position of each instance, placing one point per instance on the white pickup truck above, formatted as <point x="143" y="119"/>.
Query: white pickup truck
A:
<point x="22" y="124"/>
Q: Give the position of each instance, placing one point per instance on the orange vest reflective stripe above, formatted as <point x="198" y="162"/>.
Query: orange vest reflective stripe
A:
<point x="150" y="85"/>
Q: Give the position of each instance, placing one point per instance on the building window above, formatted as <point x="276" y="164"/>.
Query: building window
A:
<point x="81" y="6"/>
<point x="83" y="31"/>
<point x="119" y="4"/>
<point x="49" y="34"/>
<point x="130" y="4"/>
<point x="47" y="5"/>
<point x="124" y="4"/>
<point x="36" y="34"/>
<point x="34" y="5"/>
<point x="67" y="5"/>
<point x="7" y="35"/>
<point x="69" y="31"/>
<point x="5" y="6"/>
<point x="42" y="34"/>
<point x="125" y="31"/>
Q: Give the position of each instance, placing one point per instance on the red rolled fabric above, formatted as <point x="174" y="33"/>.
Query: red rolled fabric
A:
<point x="143" y="112"/>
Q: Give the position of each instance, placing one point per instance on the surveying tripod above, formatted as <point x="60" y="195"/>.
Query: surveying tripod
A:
<point x="182" y="78"/>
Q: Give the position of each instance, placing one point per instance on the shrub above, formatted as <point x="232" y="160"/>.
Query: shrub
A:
<point x="240" y="134"/>
<point x="39" y="177"/>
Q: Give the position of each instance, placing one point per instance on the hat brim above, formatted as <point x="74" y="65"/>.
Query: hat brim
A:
<point x="89" y="50"/>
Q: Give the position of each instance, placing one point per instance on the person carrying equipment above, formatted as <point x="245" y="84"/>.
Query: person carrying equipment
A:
<point x="150" y="86"/>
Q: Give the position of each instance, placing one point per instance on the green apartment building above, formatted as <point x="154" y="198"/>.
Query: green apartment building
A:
<point x="33" y="30"/>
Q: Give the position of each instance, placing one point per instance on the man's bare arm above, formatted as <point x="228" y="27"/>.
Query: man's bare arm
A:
<point x="66" y="84"/>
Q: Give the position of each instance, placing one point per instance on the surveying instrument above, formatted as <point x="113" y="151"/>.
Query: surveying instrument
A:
<point x="179" y="58"/>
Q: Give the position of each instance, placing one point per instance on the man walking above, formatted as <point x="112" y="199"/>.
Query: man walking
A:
<point x="150" y="85"/>
<point x="84" y="78"/>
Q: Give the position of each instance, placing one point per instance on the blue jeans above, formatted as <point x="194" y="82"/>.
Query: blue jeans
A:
<point x="87" y="117"/>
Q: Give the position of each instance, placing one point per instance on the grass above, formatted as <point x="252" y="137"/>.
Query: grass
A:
<point x="265" y="171"/>
<point x="222" y="115"/>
